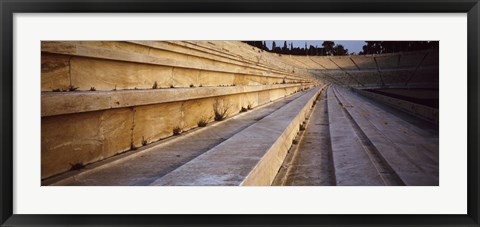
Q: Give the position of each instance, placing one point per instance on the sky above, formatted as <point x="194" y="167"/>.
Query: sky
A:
<point x="351" y="45"/>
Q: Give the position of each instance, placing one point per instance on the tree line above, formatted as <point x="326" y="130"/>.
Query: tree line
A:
<point x="382" y="47"/>
<point x="329" y="48"/>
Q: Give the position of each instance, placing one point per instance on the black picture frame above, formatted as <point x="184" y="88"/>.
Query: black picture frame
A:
<point x="10" y="7"/>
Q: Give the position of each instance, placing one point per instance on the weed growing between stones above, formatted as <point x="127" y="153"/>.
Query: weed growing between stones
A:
<point x="77" y="166"/>
<point x="132" y="146"/>
<point x="250" y="106"/>
<point x="177" y="131"/>
<point x="302" y="127"/>
<point x="155" y="85"/>
<point x="220" y="110"/>
<point x="144" y="141"/>
<point x="72" y="88"/>
<point x="243" y="109"/>
<point x="92" y="89"/>
<point x="203" y="122"/>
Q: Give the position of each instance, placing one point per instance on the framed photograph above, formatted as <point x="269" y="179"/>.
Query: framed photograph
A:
<point x="239" y="113"/>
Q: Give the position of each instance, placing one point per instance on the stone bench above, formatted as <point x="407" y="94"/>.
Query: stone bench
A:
<point x="252" y="156"/>
<point x="424" y="112"/>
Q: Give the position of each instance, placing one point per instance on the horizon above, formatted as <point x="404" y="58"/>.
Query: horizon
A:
<point x="352" y="45"/>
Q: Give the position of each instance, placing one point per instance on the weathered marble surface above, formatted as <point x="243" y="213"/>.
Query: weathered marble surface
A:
<point x="151" y="162"/>
<point x="250" y="157"/>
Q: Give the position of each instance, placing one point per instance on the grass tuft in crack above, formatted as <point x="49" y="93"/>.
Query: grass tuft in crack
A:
<point x="177" y="131"/>
<point x="220" y="110"/>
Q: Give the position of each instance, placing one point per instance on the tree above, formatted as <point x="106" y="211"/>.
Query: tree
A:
<point x="373" y="47"/>
<point x="340" y="50"/>
<point x="259" y="45"/>
<point x="328" y="47"/>
<point x="285" y="48"/>
<point x="379" y="47"/>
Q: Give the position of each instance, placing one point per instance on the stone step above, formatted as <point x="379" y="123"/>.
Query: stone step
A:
<point x="253" y="156"/>
<point x="109" y="53"/>
<point x="310" y="163"/>
<point x="143" y="166"/>
<point x="411" y="151"/>
<point x="425" y="112"/>
<point x="353" y="166"/>
<point x="59" y="103"/>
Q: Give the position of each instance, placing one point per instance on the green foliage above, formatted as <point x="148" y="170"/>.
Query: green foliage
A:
<point x="327" y="48"/>
<point x="381" y="47"/>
